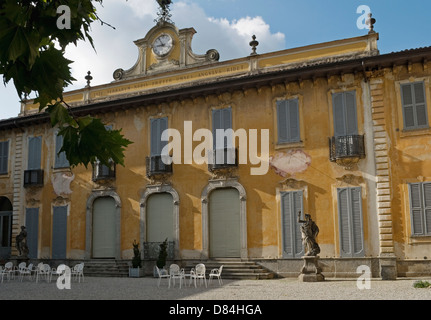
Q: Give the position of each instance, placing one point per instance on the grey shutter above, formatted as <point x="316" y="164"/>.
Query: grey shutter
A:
<point x="59" y="232"/>
<point x="427" y="207"/>
<point x="343" y="222"/>
<point x="157" y="127"/>
<point x="291" y="204"/>
<point x="421" y="111"/>
<point x="416" y="209"/>
<point x="282" y="123"/>
<point x="32" y="226"/>
<point x="350" y="113"/>
<point x="350" y="222"/>
<point x="345" y="115"/>
<point x="357" y="226"/>
<point x="60" y="158"/>
<point x="414" y="105"/>
<point x="288" y="121"/>
<point x="293" y="120"/>
<point x="338" y="110"/>
<point x="34" y="153"/>
<point x="4" y="154"/>
<point x="221" y="119"/>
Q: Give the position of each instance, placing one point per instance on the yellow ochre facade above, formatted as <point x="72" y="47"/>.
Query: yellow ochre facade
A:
<point x="335" y="129"/>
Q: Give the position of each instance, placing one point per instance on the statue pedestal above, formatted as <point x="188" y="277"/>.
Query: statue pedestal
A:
<point x="311" y="272"/>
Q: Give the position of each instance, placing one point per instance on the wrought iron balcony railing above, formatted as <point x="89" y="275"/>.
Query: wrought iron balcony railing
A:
<point x="341" y="147"/>
<point x="222" y="159"/>
<point x="155" y="165"/>
<point x="104" y="172"/>
<point x="33" y="178"/>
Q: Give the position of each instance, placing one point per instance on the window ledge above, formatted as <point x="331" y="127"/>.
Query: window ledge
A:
<point x="415" y="132"/>
<point x="288" y="145"/>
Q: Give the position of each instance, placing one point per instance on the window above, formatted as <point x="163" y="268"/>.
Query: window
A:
<point x="414" y="106"/>
<point x="223" y="154"/>
<point x="157" y="127"/>
<point x="291" y="205"/>
<point x="4" y="155"/>
<point x="350" y="222"/>
<point x="60" y="158"/>
<point x="222" y="120"/>
<point x="288" y="121"/>
<point x="344" y="110"/>
<point x="420" y="208"/>
<point x="34" y="153"/>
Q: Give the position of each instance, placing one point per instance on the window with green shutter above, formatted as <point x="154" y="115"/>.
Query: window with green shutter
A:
<point x="350" y="222"/>
<point x="157" y="127"/>
<point x="420" y="208"/>
<point x="222" y="121"/>
<point x="60" y="157"/>
<point x="344" y="112"/>
<point x="291" y="205"/>
<point x="413" y="99"/>
<point x="34" y="153"/>
<point x="288" y="121"/>
<point x="4" y="157"/>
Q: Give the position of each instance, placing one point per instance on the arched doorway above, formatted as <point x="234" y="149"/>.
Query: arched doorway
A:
<point x="5" y="227"/>
<point x="104" y="237"/>
<point x="224" y="224"/>
<point x="160" y="218"/>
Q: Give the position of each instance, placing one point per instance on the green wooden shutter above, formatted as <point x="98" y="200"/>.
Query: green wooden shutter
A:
<point x="157" y="127"/>
<point x="60" y="158"/>
<point x="413" y="99"/>
<point x="345" y="115"/>
<point x="427" y="208"/>
<point x="350" y="222"/>
<point x="34" y="153"/>
<point x="416" y="209"/>
<point x="59" y="232"/>
<point x="288" y="121"/>
<point x="221" y="120"/>
<point x="32" y="226"/>
<point x="4" y="155"/>
<point x="291" y="204"/>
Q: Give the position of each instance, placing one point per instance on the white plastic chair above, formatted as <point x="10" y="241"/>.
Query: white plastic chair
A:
<point x="175" y="273"/>
<point x="9" y="270"/>
<point x="78" y="271"/>
<point x="2" y="273"/>
<point x="24" y="270"/>
<point x="43" y="271"/>
<point x="216" y="273"/>
<point x="199" y="273"/>
<point x="161" y="276"/>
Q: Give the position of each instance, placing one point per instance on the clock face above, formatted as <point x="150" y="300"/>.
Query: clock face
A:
<point x="162" y="45"/>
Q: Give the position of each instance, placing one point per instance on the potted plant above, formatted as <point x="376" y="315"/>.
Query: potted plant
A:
<point x="161" y="260"/>
<point x="136" y="271"/>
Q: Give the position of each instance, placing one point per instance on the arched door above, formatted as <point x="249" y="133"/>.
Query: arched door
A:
<point x="160" y="217"/>
<point x="104" y="244"/>
<point x="224" y="224"/>
<point x="5" y="227"/>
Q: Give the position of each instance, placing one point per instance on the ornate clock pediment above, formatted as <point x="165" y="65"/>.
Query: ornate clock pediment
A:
<point x="165" y="48"/>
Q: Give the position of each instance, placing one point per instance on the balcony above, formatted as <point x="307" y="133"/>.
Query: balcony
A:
<point x="103" y="172"/>
<point x="156" y="166"/>
<point x="222" y="159"/>
<point x="346" y="150"/>
<point x="33" y="178"/>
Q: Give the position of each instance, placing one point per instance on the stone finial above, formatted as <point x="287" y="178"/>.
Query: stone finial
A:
<point x="88" y="77"/>
<point x="370" y="23"/>
<point x="253" y="44"/>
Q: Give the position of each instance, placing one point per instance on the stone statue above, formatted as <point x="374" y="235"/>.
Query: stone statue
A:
<point x="309" y="231"/>
<point x="21" y="242"/>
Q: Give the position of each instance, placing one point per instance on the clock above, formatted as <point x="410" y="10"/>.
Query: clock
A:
<point x="162" y="45"/>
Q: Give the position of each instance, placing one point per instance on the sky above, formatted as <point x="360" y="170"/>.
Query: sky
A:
<point x="228" y="25"/>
